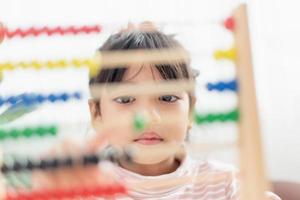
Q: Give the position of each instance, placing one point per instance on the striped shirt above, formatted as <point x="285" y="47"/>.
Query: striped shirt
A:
<point x="192" y="180"/>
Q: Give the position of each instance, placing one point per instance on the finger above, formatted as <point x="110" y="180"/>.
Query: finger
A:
<point x="96" y="142"/>
<point x="70" y="147"/>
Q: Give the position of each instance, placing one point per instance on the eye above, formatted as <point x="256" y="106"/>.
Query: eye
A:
<point x="124" y="99"/>
<point x="168" y="98"/>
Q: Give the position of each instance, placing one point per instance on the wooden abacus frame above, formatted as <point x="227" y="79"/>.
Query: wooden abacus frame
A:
<point x="254" y="183"/>
<point x="253" y="178"/>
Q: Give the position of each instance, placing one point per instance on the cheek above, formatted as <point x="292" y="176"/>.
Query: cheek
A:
<point x="177" y="129"/>
<point x="117" y="124"/>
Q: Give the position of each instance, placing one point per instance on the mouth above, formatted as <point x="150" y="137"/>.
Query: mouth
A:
<point x="149" y="138"/>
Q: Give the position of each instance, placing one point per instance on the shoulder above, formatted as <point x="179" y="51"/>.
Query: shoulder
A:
<point x="214" y="168"/>
<point x="227" y="174"/>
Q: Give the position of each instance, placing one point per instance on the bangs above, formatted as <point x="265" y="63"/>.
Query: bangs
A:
<point x="142" y="40"/>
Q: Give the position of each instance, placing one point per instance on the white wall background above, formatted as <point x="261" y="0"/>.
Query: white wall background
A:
<point x="274" y="31"/>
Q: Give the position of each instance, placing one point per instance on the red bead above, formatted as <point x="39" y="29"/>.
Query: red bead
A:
<point x="122" y="189"/>
<point x="99" y="190"/>
<point x="84" y="192"/>
<point x="11" y="196"/>
<point x="229" y="23"/>
<point x="71" y="193"/>
<point x="35" y="195"/>
<point x="2" y="33"/>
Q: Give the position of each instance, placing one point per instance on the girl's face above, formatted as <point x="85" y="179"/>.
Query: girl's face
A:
<point x="158" y="133"/>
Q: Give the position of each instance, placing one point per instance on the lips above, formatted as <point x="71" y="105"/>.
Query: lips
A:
<point x="149" y="138"/>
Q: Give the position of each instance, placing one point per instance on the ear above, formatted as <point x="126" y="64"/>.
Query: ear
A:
<point x="94" y="111"/>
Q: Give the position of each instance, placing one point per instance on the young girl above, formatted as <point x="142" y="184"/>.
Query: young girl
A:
<point x="163" y="174"/>
<point x="162" y="167"/>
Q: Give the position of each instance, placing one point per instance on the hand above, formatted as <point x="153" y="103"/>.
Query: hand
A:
<point x="78" y="175"/>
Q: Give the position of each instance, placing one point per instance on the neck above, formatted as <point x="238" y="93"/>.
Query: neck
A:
<point x="164" y="167"/>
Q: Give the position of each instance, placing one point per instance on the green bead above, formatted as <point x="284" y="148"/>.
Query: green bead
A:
<point x="27" y="132"/>
<point x="40" y="131"/>
<point x="52" y="130"/>
<point x="210" y="118"/>
<point x="223" y="117"/>
<point x="2" y="134"/>
<point x="139" y="122"/>
<point x="15" y="133"/>
<point x="197" y="118"/>
<point x="216" y="117"/>
<point x="235" y="115"/>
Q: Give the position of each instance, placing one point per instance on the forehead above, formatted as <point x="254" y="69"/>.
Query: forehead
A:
<point x="137" y="73"/>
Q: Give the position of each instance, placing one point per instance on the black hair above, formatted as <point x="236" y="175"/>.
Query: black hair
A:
<point x="143" y="40"/>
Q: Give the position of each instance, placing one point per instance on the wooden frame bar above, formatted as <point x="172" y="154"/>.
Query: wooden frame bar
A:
<point x="253" y="182"/>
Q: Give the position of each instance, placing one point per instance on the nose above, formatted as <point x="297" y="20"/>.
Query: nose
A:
<point x="152" y="116"/>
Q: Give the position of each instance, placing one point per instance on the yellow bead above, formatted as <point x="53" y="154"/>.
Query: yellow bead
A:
<point x="50" y="64"/>
<point x="227" y="54"/>
<point x="8" y="66"/>
<point x="22" y="64"/>
<point x="76" y="62"/>
<point x="35" y="64"/>
<point x="96" y="66"/>
<point x="62" y="63"/>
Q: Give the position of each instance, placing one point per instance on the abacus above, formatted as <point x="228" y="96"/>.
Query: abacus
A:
<point x="252" y="175"/>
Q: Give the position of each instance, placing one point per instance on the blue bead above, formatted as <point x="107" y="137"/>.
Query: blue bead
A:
<point x="28" y="99"/>
<point x="1" y="101"/>
<point x="64" y="96"/>
<point x="222" y="86"/>
<point x="52" y="98"/>
<point x="77" y="95"/>
<point x="12" y="100"/>
<point x="40" y="98"/>
<point x="235" y="85"/>
<point x="209" y="87"/>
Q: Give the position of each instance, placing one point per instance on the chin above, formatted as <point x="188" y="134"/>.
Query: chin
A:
<point x="153" y="154"/>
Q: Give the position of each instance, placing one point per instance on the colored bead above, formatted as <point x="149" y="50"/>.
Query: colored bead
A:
<point x="2" y="101"/>
<point x="223" y="86"/>
<point x="90" y="159"/>
<point x="77" y="95"/>
<point x="216" y="117"/>
<point x="139" y="122"/>
<point x="30" y="99"/>
<point x="64" y="96"/>
<point x="12" y="100"/>
<point x="40" y="98"/>
<point x="14" y="133"/>
<point x="66" y="162"/>
<point x="70" y="193"/>
<point x="28" y="132"/>
<point x="36" y="31"/>
<point x="229" y="54"/>
<point x="52" y="130"/>
<point x="229" y="23"/>
<point x="17" y="166"/>
<point x="2" y="33"/>
<point x="2" y="134"/>
<point x="52" y="98"/>
<point x="40" y="131"/>
<point x="30" y="165"/>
